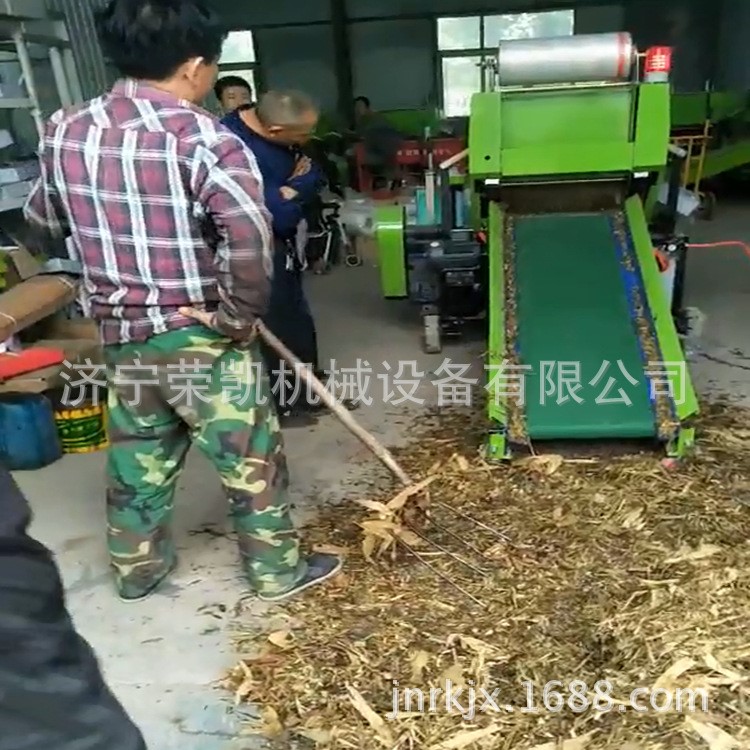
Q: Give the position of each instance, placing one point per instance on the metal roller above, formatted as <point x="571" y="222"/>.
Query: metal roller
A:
<point x="586" y="58"/>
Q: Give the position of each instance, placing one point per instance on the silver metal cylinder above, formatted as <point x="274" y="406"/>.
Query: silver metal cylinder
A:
<point x="586" y="58"/>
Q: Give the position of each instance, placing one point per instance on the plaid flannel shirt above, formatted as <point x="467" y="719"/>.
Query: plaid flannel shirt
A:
<point x="164" y="207"/>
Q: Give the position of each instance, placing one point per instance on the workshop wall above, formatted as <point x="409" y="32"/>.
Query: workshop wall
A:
<point x="409" y="44"/>
<point x="92" y="69"/>
<point x="393" y="59"/>
<point x="393" y="62"/>
<point x="360" y="9"/>
<point x="690" y="26"/>
<point x="272" y="12"/>
<point x="733" y="52"/>
<point x="600" y="19"/>
<point x="299" y="57"/>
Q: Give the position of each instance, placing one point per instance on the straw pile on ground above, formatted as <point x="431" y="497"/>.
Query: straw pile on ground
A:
<point x="615" y="571"/>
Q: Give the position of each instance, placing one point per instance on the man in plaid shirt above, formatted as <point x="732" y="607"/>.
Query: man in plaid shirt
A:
<point x="166" y="214"/>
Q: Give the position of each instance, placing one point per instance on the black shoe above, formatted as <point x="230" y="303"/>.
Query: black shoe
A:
<point x="320" y="567"/>
<point x="312" y="407"/>
<point x="297" y="418"/>
<point x="129" y="595"/>
<point x="315" y="407"/>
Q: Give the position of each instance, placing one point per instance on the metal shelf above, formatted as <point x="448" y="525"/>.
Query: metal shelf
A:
<point x="48" y="32"/>
<point x="24" y="23"/>
<point x="23" y="9"/>
<point x="13" y="204"/>
<point x="16" y="103"/>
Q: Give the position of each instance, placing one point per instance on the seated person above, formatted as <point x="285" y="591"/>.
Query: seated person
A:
<point x="324" y="154"/>
<point x="380" y="141"/>
<point x="233" y="92"/>
<point x="275" y="130"/>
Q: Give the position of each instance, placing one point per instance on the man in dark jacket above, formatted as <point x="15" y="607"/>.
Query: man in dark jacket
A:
<point x="52" y="694"/>
<point x="274" y="130"/>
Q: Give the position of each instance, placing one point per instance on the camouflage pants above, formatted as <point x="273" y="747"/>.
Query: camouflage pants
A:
<point x="192" y="386"/>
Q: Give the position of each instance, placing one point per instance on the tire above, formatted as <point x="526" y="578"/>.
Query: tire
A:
<point x="337" y="244"/>
<point x="707" y="209"/>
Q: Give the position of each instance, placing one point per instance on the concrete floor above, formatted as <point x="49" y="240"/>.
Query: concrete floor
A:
<point x="163" y="656"/>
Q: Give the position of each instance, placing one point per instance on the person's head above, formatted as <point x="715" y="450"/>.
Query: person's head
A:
<point x="287" y="117"/>
<point x="361" y="107"/>
<point x="233" y="92"/>
<point x="173" y="44"/>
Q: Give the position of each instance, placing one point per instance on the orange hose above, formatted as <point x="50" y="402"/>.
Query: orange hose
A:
<point x="661" y="260"/>
<point x="663" y="263"/>
<point x="727" y="243"/>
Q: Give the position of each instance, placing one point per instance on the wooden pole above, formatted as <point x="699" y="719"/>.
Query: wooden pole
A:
<point x="340" y="411"/>
<point x="450" y="161"/>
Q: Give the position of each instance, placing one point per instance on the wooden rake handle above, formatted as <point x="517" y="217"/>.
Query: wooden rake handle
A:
<point x="340" y="411"/>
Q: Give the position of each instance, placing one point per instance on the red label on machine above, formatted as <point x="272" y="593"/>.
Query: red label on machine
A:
<point x="658" y="60"/>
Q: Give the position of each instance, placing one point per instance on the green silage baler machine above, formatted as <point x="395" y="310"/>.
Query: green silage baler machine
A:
<point x="548" y="241"/>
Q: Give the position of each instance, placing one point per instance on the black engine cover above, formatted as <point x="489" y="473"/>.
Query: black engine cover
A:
<point x="437" y="259"/>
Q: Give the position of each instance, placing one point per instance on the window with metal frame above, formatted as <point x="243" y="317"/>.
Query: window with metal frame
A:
<point x="238" y="58"/>
<point x="465" y="43"/>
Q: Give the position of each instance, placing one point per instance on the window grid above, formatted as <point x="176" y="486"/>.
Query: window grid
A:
<point x="462" y="70"/>
<point x="239" y="58"/>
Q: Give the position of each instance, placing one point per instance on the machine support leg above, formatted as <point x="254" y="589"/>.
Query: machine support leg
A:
<point x="678" y="294"/>
<point x="431" y="330"/>
<point x="497" y="446"/>
<point x="681" y="446"/>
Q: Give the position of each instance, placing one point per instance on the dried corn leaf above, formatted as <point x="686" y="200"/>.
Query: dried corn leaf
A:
<point x="694" y="555"/>
<point x="548" y="464"/>
<point x="582" y="591"/>
<point x="467" y="739"/>
<point x="470" y="643"/>
<point x="732" y="674"/>
<point x="375" y="506"/>
<point x="435" y="468"/>
<point x="244" y="690"/>
<point x="376" y="721"/>
<point x="270" y="724"/>
<point x="399" y="500"/>
<point x="461" y="462"/>
<point x="454" y="674"/>
<point x="496" y="551"/>
<point x="418" y="661"/>
<point x="575" y="743"/>
<point x="385" y="545"/>
<point x="671" y="675"/>
<point x="410" y="538"/>
<point x="369" y="543"/>
<point x="321" y="737"/>
<point x="381" y="529"/>
<point x="715" y="738"/>
<point x="634" y="520"/>
<point x="283" y="639"/>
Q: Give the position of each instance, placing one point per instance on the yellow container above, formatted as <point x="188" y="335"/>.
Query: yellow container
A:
<point x="83" y="429"/>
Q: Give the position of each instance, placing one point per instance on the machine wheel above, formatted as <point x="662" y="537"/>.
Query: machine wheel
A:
<point x="707" y="208"/>
<point x="352" y="258"/>
<point x="431" y="338"/>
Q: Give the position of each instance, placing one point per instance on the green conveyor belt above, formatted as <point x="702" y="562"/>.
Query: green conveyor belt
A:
<point x="573" y="314"/>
